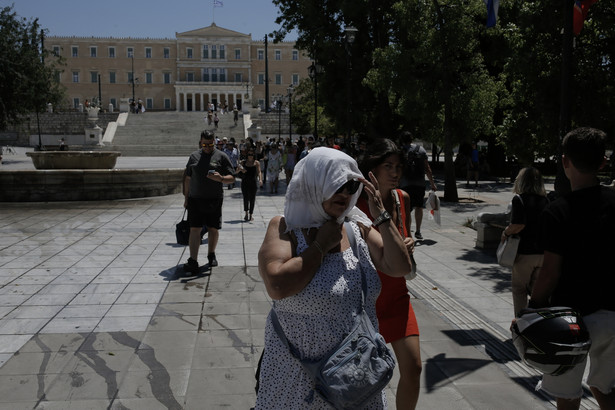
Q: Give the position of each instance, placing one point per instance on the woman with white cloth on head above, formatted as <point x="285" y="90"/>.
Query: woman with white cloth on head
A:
<point x="313" y="275"/>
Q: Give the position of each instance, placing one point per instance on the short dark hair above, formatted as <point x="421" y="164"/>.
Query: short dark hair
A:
<point x="405" y="137"/>
<point x="207" y="135"/>
<point x="585" y="148"/>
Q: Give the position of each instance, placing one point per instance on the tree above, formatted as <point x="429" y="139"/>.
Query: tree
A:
<point x="435" y="72"/>
<point x="303" y="111"/>
<point x="28" y="75"/>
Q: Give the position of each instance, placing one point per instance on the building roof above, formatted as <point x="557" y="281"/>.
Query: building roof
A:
<point x="211" y="31"/>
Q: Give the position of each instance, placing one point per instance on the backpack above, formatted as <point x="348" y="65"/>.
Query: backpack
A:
<point x="415" y="163"/>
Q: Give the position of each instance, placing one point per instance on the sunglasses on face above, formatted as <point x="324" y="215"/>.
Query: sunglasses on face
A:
<point x="351" y="186"/>
<point x="208" y="145"/>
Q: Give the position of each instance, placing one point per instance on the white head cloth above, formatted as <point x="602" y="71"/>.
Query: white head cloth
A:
<point x="315" y="179"/>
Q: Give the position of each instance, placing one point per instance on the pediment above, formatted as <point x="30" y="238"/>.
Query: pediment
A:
<point x="211" y="31"/>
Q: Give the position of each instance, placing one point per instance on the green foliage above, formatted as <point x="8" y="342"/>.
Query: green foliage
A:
<point x="28" y="75"/>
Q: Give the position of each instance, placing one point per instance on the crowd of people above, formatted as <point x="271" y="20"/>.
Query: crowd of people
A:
<point x="316" y="277"/>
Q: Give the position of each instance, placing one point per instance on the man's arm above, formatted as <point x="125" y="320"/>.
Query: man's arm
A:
<point x="430" y="175"/>
<point x="548" y="278"/>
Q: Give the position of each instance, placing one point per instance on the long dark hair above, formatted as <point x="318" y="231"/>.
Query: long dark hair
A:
<point x="376" y="153"/>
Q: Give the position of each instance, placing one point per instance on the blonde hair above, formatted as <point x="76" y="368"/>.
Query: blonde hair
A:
<point x="529" y="181"/>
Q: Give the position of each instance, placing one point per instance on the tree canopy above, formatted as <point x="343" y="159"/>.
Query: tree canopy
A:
<point x="432" y="67"/>
<point x="29" y="81"/>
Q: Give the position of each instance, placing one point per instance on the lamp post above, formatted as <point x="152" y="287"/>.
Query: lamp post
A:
<point x="278" y="103"/>
<point x="351" y="34"/>
<point x="313" y="71"/>
<point x="290" y="112"/>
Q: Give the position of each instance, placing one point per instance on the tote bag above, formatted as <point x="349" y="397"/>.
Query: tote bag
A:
<point x="507" y="251"/>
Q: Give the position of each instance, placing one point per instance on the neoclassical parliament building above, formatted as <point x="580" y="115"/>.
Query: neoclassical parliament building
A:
<point x="198" y="67"/>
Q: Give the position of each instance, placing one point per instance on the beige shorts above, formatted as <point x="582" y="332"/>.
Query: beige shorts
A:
<point x="601" y="326"/>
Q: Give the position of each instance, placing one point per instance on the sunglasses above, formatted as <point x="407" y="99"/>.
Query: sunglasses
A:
<point x="208" y="145"/>
<point x="351" y="186"/>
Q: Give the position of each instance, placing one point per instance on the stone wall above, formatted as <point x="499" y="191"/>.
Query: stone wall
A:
<point x="56" y="123"/>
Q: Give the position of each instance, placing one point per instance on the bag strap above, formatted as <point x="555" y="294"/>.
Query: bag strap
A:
<point x="184" y="214"/>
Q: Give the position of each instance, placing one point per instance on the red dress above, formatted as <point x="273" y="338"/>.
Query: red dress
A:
<point x="396" y="317"/>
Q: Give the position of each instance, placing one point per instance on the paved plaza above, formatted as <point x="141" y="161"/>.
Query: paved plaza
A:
<point x="95" y="312"/>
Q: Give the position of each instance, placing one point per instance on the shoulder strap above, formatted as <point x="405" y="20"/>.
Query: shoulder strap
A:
<point x="355" y="250"/>
<point x="401" y="212"/>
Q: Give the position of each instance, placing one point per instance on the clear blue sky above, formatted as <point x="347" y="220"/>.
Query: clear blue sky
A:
<point x="147" y="18"/>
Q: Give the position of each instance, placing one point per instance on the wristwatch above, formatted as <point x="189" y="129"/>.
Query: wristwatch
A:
<point x="382" y="218"/>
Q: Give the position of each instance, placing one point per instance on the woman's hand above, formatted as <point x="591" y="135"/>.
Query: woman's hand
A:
<point x="409" y="242"/>
<point x="329" y="235"/>
<point x="374" y="198"/>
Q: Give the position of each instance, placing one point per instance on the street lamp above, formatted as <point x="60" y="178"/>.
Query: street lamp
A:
<point x="313" y="71"/>
<point x="290" y="112"/>
<point x="351" y="34"/>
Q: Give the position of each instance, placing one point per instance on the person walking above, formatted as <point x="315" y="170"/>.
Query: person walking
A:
<point x="207" y="170"/>
<point x="314" y="277"/>
<point x="274" y="166"/>
<point x="413" y="178"/>
<point x="250" y="170"/>
<point x="527" y="205"/>
<point x="578" y="271"/>
<point x="396" y="318"/>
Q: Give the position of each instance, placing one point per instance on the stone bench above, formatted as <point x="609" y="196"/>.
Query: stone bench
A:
<point x="489" y="229"/>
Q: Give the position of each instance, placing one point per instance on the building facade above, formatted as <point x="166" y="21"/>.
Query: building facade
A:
<point x="198" y="67"/>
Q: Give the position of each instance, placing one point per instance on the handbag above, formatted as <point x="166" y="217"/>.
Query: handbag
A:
<point x="358" y="368"/>
<point x="182" y="231"/>
<point x="400" y="225"/>
<point x="507" y="251"/>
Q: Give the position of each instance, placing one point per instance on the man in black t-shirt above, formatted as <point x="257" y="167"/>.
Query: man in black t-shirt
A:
<point x="207" y="170"/>
<point x="579" y="270"/>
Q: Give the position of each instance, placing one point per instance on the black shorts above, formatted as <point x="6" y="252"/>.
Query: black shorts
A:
<point x="203" y="212"/>
<point x="417" y="196"/>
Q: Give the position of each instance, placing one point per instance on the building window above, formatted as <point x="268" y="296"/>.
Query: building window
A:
<point x="74" y="51"/>
<point x="148" y="52"/>
<point x="130" y="52"/>
<point x="214" y="75"/>
<point x="205" y="51"/>
<point x="190" y="76"/>
<point x="223" y="75"/>
<point x="111" y="52"/>
<point x="260" y="55"/>
<point x="112" y="77"/>
<point x="93" y="76"/>
<point x="237" y="54"/>
<point x="278" y="78"/>
<point x="278" y="54"/>
<point x="167" y="52"/>
<point x="261" y="78"/>
<point x="295" y="55"/>
<point x="214" y="52"/>
<point x="113" y="102"/>
<point x="167" y="78"/>
<point x="56" y="51"/>
<point x="222" y="52"/>
<point x="167" y="103"/>
<point x="188" y="52"/>
<point x="130" y="77"/>
<point x="148" y="78"/>
<point x="295" y="79"/>
<point x="93" y="51"/>
<point x="149" y="103"/>
<point x="75" y="76"/>
<point x="238" y="77"/>
<point x="205" y="75"/>
<point x="75" y="102"/>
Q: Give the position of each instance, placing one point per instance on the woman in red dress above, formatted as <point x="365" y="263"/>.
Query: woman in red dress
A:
<point x="396" y="318"/>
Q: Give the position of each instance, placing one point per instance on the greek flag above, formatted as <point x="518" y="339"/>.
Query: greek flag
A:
<point x="218" y="3"/>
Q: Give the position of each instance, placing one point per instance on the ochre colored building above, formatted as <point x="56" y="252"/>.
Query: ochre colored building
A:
<point x="198" y="67"/>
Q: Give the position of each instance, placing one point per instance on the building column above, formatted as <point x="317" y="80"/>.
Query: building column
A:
<point x="202" y="102"/>
<point x="177" y="100"/>
<point x="185" y="101"/>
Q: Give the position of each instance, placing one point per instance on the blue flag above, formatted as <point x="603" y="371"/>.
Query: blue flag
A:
<point x="492" y="11"/>
<point x="218" y="3"/>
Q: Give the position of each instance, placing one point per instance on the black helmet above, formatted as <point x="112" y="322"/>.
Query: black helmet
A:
<point x="552" y="340"/>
